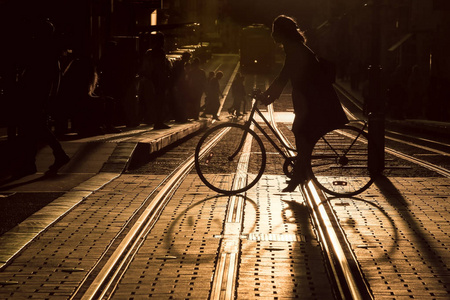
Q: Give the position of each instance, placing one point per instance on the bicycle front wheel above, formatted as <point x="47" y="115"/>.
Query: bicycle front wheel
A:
<point x="339" y="162"/>
<point x="230" y="158"/>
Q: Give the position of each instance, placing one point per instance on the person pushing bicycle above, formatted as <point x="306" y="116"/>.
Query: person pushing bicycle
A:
<point x="317" y="108"/>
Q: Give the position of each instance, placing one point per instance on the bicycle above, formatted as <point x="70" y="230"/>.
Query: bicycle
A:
<point x="230" y="158"/>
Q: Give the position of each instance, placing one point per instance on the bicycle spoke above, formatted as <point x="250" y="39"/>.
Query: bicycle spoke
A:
<point x="339" y="162"/>
<point x="233" y="163"/>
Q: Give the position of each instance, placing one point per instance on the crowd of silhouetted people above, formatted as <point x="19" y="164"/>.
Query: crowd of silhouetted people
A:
<point x="56" y="93"/>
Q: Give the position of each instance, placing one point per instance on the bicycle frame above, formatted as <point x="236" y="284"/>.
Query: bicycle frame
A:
<point x="333" y="179"/>
<point x="251" y="120"/>
<point x="351" y="145"/>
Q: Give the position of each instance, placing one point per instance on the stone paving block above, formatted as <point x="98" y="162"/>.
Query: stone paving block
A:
<point x="401" y="237"/>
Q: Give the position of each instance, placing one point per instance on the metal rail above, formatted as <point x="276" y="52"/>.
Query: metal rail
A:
<point x="438" y="169"/>
<point x="223" y="285"/>
<point x="99" y="287"/>
<point x="342" y="263"/>
<point x="433" y="167"/>
<point x="111" y="271"/>
<point x="224" y="280"/>
<point x="133" y="240"/>
<point x="343" y="266"/>
<point x="417" y="145"/>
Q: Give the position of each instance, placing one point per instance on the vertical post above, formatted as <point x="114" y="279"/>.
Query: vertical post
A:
<point x="376" y="97"/>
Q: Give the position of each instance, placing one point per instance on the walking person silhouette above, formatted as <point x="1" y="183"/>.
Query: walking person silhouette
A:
<point x="316" y="106"/>
<point x="238" y="92"/>
<point x="39" y="83"/>
<point x="197" y="83"/>
<point x="214" y="95"/>
<point x="156" y="70"/>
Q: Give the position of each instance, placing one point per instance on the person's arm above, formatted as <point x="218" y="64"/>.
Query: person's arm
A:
<point x="277" y="86"/>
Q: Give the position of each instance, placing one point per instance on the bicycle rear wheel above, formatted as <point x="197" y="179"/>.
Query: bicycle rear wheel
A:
<point x="339" y="162"/>
<point x="230" y="158"/>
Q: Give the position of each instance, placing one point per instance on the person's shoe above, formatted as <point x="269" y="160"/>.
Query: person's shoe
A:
<point x="59" y="162"/>
<point x="293" y="183"/>
<point x="161" y="126"/>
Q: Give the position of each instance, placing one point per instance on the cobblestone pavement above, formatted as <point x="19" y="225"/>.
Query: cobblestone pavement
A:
<point x="399" y="230"/>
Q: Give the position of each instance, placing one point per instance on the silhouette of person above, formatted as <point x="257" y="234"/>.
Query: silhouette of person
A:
<point x="180" y="88"/>
<point x="156" y="71"/>
<point x="62" y="107"/>
<point x="76" y="80"/>
<point x="197" y="83"/>
<point x="117" y="76"/>
<point x="316" y="106"/>
<point x="39" y="83"/>
<point x="211" y="75"/>
<point x="213" y="96"/>
<point x="238" y="92"/>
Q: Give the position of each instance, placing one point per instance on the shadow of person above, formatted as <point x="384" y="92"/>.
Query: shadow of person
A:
<point x="299" y="214"/>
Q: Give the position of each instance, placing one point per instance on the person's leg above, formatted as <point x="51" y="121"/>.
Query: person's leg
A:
<point x="61" y="158"/>
<point x="160" y="113"/>
<point x="300" y="171"/>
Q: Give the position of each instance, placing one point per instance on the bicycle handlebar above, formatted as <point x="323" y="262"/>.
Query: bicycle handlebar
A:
<point x="259" y="97"/>
<point x="256" y="93"/>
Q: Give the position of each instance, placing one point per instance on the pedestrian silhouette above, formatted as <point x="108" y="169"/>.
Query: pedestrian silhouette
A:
<point x="38" y="85"/>
<point x="197" y="84"/>
<point x="316" y="106"/>
<point x="117" y="80"/>
<point x="238" y="92"/>
<point x="211" y="75"/>
<point x="179" y="88"/>
<point x="77" y="84"/>
<point x="156" y="70"/>
<point x="213" y="96"/>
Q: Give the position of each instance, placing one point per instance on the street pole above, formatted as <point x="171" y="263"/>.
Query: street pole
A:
<point x="376" y="96"/>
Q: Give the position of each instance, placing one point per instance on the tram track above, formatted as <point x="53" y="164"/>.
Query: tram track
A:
<point x="342" y="264"/>
<point x="129" y="245"/>
<point x="414" y="143"/>
<point x="344" y="267"/>
<point x="102" y="286"/>
<point x="108" y="275"/>
<point x="344" y="270"/>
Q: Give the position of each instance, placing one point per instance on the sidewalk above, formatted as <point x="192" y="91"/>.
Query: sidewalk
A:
<point x="95" y="161"/>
